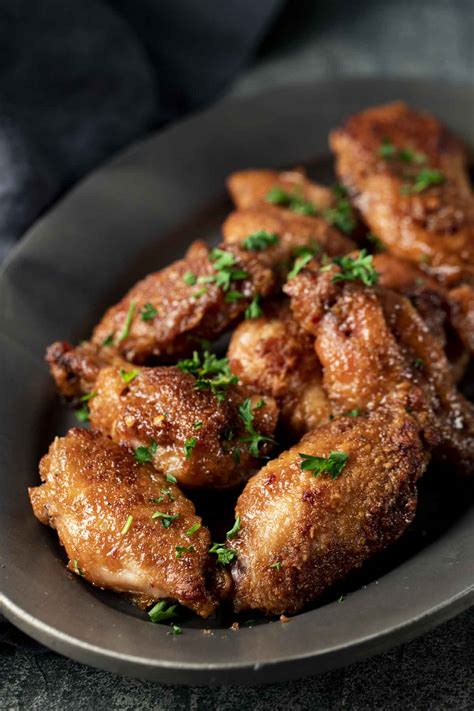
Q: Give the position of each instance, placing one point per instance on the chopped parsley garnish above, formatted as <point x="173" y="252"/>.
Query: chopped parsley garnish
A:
<point x="197" y="425"/>
<point x="189" y="446"/>
<point x="225" y="270"/>
<point x="419" y="363"/>
<point x="128" y="375"/>
<point x="235" y="529"/>
<point x="254" y="438"/>
<point x="305" y="255"/>
<point x="160" y="499"/>
<point x="195" y="527"/>
<point x="76" y="568"/>
<point x="166" y="519"/>
<point x="260" y="240"/>
<point x="82" y="413"/>
<point x="171" y="478"/>
<point x="232" y="296"/>
<point x="358" y="268"/>
<point x="200" y="292"/>
<point x="146" y="454"/>
<point x="127" y="526"/>
<point x="161" y="612"/>
<point x="353" y="413"/>
<point x="332" y="465"/>
<point x="176" y="630"/>
<point x="426" y="178"/>
<point x="341" y="215"/>
<point x="211" y="373"/>
<point x="376" y="242"/>
<point x="294" y="201"/>
<point x="148" y="312"/>
<point x="128" y="322"/>
<point x="388" y="151"/>
<point x="276" y="565"/>
<point x="109" y="340"/>
<point x="183" y="549"/>
<point x="254" y="309"/>
<point x="190" y="279"/>
<point x="225" y="555"/>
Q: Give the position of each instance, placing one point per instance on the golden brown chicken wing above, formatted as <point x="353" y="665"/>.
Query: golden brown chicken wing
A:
<point x="250" y="188"/>
<point x="375" y="348"/>
<point x="124" y="526"/>
<point x="345" y="492"/>
<point x="407" y="175"/>
<point x="200" y="439"/>
<point x="274" y="356"/>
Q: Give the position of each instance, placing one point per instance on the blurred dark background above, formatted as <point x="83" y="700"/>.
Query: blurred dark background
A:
<point x="80" y="80"/>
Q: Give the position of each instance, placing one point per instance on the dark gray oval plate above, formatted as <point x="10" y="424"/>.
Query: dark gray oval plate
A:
<point x="132" y="216"/>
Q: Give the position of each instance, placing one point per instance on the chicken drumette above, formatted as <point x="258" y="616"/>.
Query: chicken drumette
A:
<point x="124" y="526"/>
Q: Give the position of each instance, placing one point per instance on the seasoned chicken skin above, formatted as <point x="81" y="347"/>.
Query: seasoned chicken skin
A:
<point x="292" y="232"/>
<point x="194" y="436"/>
<point x="249" y="188"/>
<point x="407" y="175"/>
<point x="274" y="356"/>
<point x="375" y="348"/>
<point x="299" y="533"/>
<point x="103" y="506"/>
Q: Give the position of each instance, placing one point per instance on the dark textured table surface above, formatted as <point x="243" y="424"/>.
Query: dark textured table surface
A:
<point x="436" y="670"/>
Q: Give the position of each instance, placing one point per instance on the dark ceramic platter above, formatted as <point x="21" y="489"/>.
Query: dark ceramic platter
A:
<point x="133" y="216"/>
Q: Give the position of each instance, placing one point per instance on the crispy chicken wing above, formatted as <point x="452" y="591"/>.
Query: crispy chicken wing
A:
<point x="292" y="232"/>
<point x="375" y="348"/>
<point x="274" y="356"/>
<point x="301" y="533"/>
<point x="187" y="432"/>
<point x="122" y="522"/>
<point x="407" y="175"/>
<point x="249" y="188"/>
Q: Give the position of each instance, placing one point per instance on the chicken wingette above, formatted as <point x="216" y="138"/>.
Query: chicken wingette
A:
<point x="124" y="526"/>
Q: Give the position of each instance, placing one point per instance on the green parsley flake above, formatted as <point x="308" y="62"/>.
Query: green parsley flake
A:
<point x="332" y="465"/>
<point x="232" y="296"/>
<point x="183" y="549"/>
<point x="195" y="527"/>
<point x="276" y="565"/>
<point x="200" y="292"/>
<point x="225" y="555"/>
<point x="171" y="478"/>
<point x="82" y="413"/>
<point x="161" y="612"/>
<point x="127" y="526"/>
<point x="128" y="322"/>
<point x="175" y="630"/>
<point x="76" y="568"/>
<point x="358" y="268"/>
<point x="376" y="242"/>
<point x="353" y="413"/>
<point x="254" y="439"/>
<point x="260" y="240"/>
<point x="211" y="373"/>
<point x="419" y="363"/>
<point x="254" y="309"/>
<point x="294" y="201"/>
<point x="189" y="446"/>
<point x="109" y="340"/>
<point x="190" y="279"/>
<point x="146" y="454"/>
<point x="226" y="272"/>
<point x="341" y="215"/>
<point x="388" y="151"/>
<point x="305" y="256"/>
<point x="426" y="178"/>
<point x="128" y="375"/>
<point x="148" y="312"/>
<point x="235" y="529"/>
<point x="166" y="519"/>
<point x="197" y="425"/>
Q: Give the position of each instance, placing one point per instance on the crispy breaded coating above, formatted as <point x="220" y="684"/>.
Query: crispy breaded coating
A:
<point x="193" y="435"/>
<point x="375" y="348"/>
<point x="274" y="356"/>
<point x="103" y="505"/>
<point x="462" y="313"/>
<point x="292" y="231"/>
<point x="185" y="311"/>
<point x="249" y="188"/>
<point x="407" y="175"/>
<point x="300" y="533"/>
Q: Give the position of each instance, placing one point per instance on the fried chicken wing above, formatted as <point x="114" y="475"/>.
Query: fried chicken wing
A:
<point x="300" y="533"/>
<point x="122" y="523"/>
<point x="291" y="232"/>
<point x="274" y="356"/>
<point x="250" y="188"/>
<point x="376" y="349"/>
<point x="187" y="432"/>
<point x="407" y="175"/>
